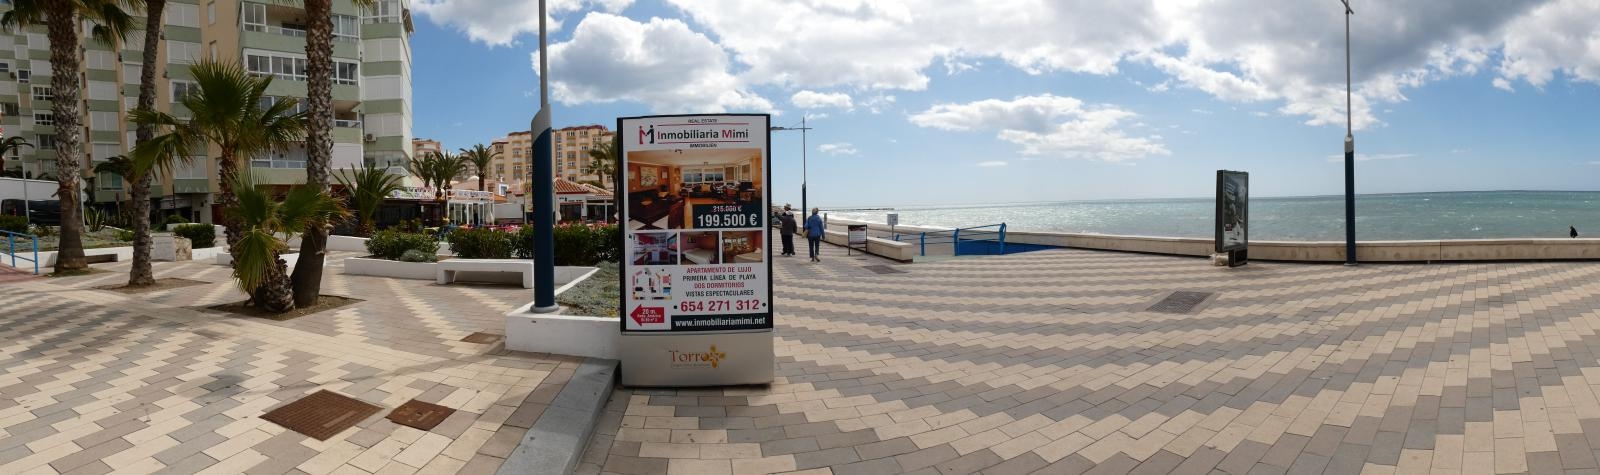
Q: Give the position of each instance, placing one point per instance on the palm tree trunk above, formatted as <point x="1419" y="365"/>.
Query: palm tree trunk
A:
<point x="61" y="21"/>
<point x="319" y="144"/>
<point x="480" y="181"/>
<point x="141" y="273"/>
<point x="276" y="293"/>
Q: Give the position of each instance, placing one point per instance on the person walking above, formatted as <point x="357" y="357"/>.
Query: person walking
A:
<point x="1572" y="231"/>
<point x="787" y="227"/>
<point x="814" y="228"/>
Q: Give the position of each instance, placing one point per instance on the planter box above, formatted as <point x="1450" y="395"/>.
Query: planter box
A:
<point x="575" y="335"/>
<point x="48" y="258"/>
<point x="388" y="268"/>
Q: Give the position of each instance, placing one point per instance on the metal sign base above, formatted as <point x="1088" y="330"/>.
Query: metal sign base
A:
<point x="696" y="359"/>
<point x="1238" y="258"/>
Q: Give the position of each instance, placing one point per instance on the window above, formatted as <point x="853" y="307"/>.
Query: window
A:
<point x="132" y="73"/>
<point x="103" y="120"/>
<point x="110" y="181"/>
<point x="44" y="118"/>
<point x="183" y="88"/>
<point x="268" y="101"/>
<point x="346" y="26"/>
<point x="43" y="93"/>
<point x="386" y="11"/>
<point x="102" y="91"/>
<point x="255" y="17"/>
<point x="280" y="160"/>
<point x="345" y="73"/>
<point x="195" y="169"/>
<point x="23" y="75"/>
<point x="45" y="141"/>
<point x="135" y="41"/>
<point x="9" y="109"/>
<point x="103" y="151"/>
<point x="212" y="49"/>
<point x="5" y="67"/>
<point x="183" y="14"/>
<point x="182" y="52"/>
<point x="211" y="13"/>
<point x="129" y="104"/>
<point x="94" y="59"/>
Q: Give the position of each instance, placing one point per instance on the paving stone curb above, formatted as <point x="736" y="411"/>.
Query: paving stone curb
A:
<point x="556" y="441"/>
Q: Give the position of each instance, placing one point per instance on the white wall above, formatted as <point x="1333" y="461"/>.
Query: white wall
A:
<point x="12" y="189"/>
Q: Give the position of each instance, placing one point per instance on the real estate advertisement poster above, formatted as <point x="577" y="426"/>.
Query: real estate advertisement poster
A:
<point x="693" y="192"/>
<point x="1233" y="210"/>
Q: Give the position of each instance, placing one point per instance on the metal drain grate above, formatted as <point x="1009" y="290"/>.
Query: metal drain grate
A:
<point x="883" y="269"/>
<point x="1180" y="302"/>
<point x="482" y="337"/>
<point x="420" y="415"/>
<point x="321" y="415"/>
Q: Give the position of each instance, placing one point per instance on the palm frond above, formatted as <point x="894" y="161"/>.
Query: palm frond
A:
<point x="305" y="207"/>
<point x="257" y="248"/>
<point x="112" y="20"/>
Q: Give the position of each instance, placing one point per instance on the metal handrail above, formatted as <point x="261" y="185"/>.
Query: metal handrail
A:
<point x="11" y="249"/>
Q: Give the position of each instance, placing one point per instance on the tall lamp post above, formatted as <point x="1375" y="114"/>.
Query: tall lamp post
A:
<point x="1349" y="151"/>
<point x="544" y="270"/>
<point x="802" y="128"/>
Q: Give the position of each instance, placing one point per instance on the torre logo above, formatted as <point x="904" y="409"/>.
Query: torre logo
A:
<point x="693" y="359"/>
<point x="651" y="134"/>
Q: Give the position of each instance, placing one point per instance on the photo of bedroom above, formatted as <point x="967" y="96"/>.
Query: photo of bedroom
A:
<point x="667" y="189"/>
<point x="701" y="248"/>
<point x="655" y="249"/>
<point x="741" y="246"/>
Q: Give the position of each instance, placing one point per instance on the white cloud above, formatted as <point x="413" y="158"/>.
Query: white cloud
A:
<point x="992" y="164"/>
<point x="1046" y="125"/>
<point x="879" y="103"/>
<point x="837" y="149"/>
<point x="1362" y="157"/>
<point x="500" y="22"/>
<point x="661" y="63"/>
<point x="1555" y="37"/>
<point x="1201" y="111"/>
<point x="813" y="100"/>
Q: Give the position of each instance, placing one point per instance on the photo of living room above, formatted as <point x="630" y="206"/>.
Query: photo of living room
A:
<point x="665" y="187"/>
<point x="741" y="246"/>
<point x="655" y="249"/>
<point x="701" y="248"/>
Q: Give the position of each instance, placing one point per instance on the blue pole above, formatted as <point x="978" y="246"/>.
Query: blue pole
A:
<point x="12" y="241"/>
<point x="544" y="254"/>
<point x="35" y="256"/>
<point x="1002" y="238"/>
<point x="955" y="243"/>
<point x="923" y="240"/>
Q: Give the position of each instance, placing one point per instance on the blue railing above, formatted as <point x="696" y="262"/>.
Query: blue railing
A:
<point x="971" y="241"/>
<point x="11" y="249"/>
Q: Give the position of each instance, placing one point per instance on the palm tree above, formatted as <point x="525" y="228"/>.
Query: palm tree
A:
<point x="225" y="110"/>
<point x="480" y="157"/>
<point x="150" y="156"/>
<point x="141" y="274"/>
<point x="367" y="186"/>
<point x="9" y="145"/>
<point x="62" y="20"/>
<point x="319" y="140"/>
<point x="447" y="166"/>
<point x="424" y="168"/>
<point x="258" y="264"/>
<point x="603" y="161"/>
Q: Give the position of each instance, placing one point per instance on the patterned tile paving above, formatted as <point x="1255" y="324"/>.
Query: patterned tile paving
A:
<point x="1049" y="362"/>
<point x="100" y="382"/>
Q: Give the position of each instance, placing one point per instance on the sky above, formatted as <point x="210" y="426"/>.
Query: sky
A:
<point x="933" y="102"/>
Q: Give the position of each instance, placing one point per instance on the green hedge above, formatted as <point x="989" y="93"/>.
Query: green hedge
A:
<point x="173" y="219"/>
<point x="390" y="244"/>
<point x="481" y="243"/>
<point x="576" y="244"/>
<point x="13" y="223"/>
<point x="200" y="236"/>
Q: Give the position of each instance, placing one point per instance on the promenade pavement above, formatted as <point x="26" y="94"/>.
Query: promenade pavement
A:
<point x="94" y="382"/>
<point x="1050" y="362"/>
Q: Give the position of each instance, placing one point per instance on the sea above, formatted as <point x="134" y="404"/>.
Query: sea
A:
<point x="1400" y="216"/>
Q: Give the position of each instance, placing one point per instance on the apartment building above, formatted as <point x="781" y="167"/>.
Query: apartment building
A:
<point x="423" y="147"/>
<point x="572" y="146"/>
<point x="371" y="91"/>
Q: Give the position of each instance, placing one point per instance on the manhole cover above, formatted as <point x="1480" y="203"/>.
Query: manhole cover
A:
<point x="883" y="269"/>
<point x="322" y="414"/>
<point x="481" y="337"/>
<point x="420" y="415"/>
<point x="1180" y="302"/>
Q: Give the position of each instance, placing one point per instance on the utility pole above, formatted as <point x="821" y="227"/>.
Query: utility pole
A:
<point x="1349" y="151"/>
<point x="544" y="270"/>
<point x="804" y="210"/>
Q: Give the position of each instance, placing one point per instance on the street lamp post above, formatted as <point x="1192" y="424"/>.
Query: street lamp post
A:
<point x="1349" y="151"/>
<point x="802" y="128"/>
<point x="544" y="271"/>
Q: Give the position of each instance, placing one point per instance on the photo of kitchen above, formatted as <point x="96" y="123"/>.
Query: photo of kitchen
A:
<point x="701" y="248"/>
<point x="741" y="247"/>
<point x="665" y="187"/>
<point x="655" y="249"/>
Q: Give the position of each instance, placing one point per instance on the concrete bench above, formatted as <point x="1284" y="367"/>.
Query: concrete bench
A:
<point x="445" y="271"/>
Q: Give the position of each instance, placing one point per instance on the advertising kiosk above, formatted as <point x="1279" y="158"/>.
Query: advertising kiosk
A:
<point x="696" y="265"/>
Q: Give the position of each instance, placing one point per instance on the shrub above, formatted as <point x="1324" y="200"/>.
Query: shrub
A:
<point x="574" y="245"/>
<point x="608" y="244"/>
<point x="174" y="219"/>
<point x="200" y="236"/>
<point x="94" y="220"/>
<point x="43" y="231"/>
<point x="416" y="255"/>
<point x="13" y="223"/>
<point x="392" y="245"/>
<point x="125" y="235"/>
<point x="481" y="243"/>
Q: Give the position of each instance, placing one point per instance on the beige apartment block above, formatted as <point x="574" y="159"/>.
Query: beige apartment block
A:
<point x="372" y="97"/>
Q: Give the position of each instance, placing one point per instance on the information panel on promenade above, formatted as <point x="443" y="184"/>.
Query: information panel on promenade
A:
<point x="696" y="277"/>
<point x="1233" y="215"/>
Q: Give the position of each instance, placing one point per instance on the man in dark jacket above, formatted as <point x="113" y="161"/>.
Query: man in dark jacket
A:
<point x="788" y="227"/>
